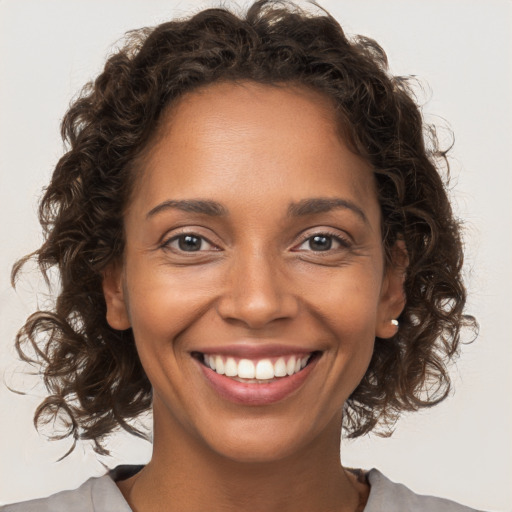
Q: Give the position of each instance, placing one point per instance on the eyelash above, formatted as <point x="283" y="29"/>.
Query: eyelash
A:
<point x="342" y="241"/>
<point x="176" y="238"/>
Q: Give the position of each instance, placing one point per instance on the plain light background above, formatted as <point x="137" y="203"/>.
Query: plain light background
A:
<point x="461" y="449"/>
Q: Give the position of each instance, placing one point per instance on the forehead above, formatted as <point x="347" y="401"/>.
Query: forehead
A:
<point x="239" y="104"/>
<point x="246" y="139"/>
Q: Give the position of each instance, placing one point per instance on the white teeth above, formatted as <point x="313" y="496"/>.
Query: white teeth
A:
<point x="290" y="366"/>
<point x="246" y="369"/>
<point x="230" y="368"/>
<point x="264" y="370"/>
<point x="280" y="368"/>
<point x="255" y="371"/>
<point x="219" y="365"/>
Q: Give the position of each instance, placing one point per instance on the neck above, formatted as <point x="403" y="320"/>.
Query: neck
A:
<point x="185" y="476"/>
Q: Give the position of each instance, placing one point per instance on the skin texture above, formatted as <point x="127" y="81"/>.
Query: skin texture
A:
<point x="256" y="279"/>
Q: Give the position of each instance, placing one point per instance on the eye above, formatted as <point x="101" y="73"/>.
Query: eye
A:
<point x="189" y="242"/>
<point x="322" y="242"/>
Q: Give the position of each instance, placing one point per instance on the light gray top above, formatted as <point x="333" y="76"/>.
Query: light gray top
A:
<point x="102" y="495"/>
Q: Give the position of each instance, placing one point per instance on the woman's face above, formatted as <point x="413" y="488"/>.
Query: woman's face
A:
<point x="253" y="246"/>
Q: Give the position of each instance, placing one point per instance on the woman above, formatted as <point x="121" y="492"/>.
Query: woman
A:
<point x="253" y="239"/>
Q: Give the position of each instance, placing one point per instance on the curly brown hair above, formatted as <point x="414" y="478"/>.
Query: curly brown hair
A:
<point x="92" y="372"/>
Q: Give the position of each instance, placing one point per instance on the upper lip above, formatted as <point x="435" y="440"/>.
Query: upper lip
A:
<point x="255" y="351"/>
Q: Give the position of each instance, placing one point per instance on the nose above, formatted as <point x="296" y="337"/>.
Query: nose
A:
<point x="257" y="292"/>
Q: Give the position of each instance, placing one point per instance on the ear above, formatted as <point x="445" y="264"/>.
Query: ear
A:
<point x="392" y="299"/>
<point x="117" y="311"/>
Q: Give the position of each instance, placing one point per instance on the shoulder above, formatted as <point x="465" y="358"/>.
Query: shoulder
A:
<point x="103" y="495"/>
<point x="387" y="495"/>
<point x="95" y="495"/>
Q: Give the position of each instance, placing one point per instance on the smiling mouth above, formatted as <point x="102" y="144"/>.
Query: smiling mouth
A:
<point x="256" y="371"/>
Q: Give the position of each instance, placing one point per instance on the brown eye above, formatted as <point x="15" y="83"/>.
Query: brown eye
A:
<point x="189" y="242"/>
<point x="320" y="243"/>
<point x="323" y="242"/>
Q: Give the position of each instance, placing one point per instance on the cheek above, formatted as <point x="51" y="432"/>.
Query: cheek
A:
<point x="162" y="307"/>
<point x="347" y="300"/>
<point x="346" y="309"/>
<point x="162" y="304"/>
<point x="161" y="295"/>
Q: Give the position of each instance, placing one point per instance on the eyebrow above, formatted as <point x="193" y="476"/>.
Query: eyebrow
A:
<point x="316" y="205"/>
<point x="301" y="208"/>
<point x="203" y="206"/>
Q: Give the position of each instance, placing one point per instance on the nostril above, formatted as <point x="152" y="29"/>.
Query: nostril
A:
<point x="257" y="312"/>
<point x="255" y="294"/>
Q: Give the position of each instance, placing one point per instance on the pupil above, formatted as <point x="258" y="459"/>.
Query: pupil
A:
<point x="189" y="243"/>
<point x="320" y="243"/>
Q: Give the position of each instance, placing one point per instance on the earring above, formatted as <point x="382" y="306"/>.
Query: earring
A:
<point x="394" y="322"/>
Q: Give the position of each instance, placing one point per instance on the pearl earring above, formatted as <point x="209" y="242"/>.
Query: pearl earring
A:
<point x="394" y="322"/>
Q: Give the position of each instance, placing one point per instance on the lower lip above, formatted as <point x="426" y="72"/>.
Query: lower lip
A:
<point x="256" y="394"/>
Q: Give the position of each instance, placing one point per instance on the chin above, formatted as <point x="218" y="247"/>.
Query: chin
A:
<point x="261" y="441"/>
<point x="256" y="451"/>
